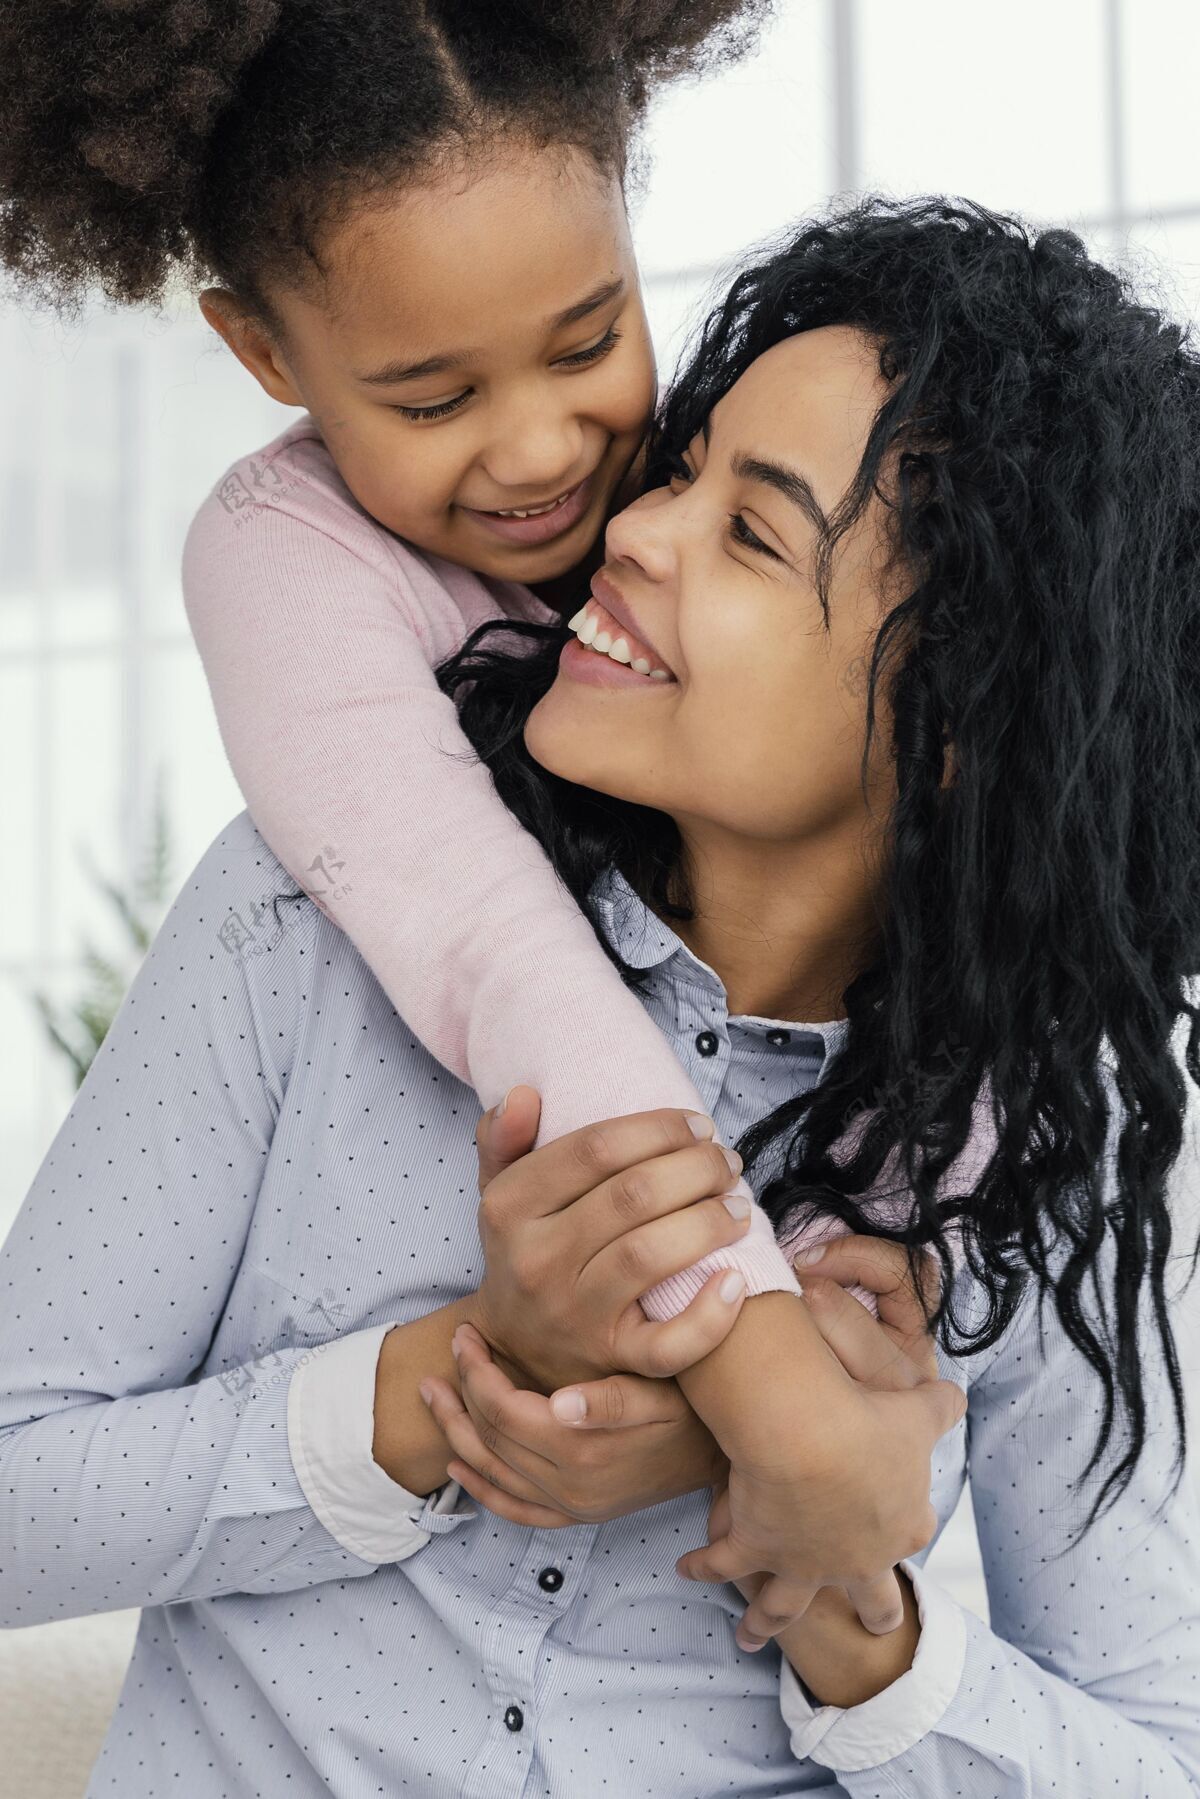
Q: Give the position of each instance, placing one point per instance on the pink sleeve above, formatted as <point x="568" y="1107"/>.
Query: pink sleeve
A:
<point x="319" y="658"/>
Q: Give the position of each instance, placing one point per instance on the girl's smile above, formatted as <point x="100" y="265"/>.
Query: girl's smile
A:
<point x="544" y="521"/>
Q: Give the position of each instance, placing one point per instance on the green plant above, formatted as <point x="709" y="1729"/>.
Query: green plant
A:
<point x="78" y="1030"/>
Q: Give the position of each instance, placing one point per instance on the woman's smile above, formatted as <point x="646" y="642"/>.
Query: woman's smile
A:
<point x="605" y="635"/>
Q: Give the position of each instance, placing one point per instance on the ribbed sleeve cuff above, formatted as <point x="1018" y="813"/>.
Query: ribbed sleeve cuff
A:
<point x="756" y="1255"/>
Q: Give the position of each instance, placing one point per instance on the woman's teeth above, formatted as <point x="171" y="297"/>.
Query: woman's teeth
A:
<point x="589" y="631"/>
<point x="536" y="511"/>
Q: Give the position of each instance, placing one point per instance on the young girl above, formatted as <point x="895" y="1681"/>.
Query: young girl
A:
<point x="414" y="215"/>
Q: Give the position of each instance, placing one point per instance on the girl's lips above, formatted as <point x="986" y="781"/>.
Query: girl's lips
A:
<point x="579" y="663"/>
<point x="545" y="526"/>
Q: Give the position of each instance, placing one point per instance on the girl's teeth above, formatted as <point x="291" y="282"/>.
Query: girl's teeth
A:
<point x="602" y="641"/>
<point x="640" y="666"/>
<point x="620" y="651"/>
<point x="532" y="511"/>
<point x="589" y="627"/>
<point x="573" y="624"/>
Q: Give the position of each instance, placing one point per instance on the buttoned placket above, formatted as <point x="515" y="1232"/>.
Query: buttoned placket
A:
<point x="544" y="1588"/>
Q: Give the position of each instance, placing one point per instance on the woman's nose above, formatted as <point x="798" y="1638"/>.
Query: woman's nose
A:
<point x="642" y="535"/>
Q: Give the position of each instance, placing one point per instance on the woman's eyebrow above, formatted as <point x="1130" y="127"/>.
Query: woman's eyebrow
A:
<point x="787" y="481"/>
<point x="394" y="372"/>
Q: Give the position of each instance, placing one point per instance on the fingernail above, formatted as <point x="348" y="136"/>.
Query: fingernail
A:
<point x="734" y="1160"/>
<point x="738" y="1204"/>
<point x="699" y="1125"/>
<point x="807" y="1257"/>
<point x="732" y="1286"/>
<point x="455" y="1346"/>
<point x="426" y="1391"/>
<point x="750" y="1648"/>
<point x="504" y="1102"/>
<point x="569" y="1407"/>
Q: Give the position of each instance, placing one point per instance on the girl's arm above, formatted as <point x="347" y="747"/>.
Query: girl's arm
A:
<point x="1087" y="1679"/>
<point x="138" y="1466"/>
<point x="319" y="635"/>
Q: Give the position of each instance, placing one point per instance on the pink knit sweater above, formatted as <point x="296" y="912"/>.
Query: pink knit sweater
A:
<point x="319" y="631"/>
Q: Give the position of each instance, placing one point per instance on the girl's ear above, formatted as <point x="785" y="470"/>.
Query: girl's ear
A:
<point x="250" y="343"/>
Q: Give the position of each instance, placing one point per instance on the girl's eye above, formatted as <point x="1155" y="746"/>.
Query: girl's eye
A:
<point x="442" y="410"/>
<point x="678" y="470"/>
<point x="745" y="536"/>
<point x="579" y="358"/>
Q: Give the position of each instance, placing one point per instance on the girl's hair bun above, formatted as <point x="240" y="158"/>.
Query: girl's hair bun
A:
<point x="108" y="106"/>
<point x="216" y="137"/>
<point x="649" y="40"/>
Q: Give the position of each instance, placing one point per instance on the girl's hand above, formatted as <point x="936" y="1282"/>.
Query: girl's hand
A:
<point x="897" y="1350"/>
<point x="574" y="1232"/>
<point x="645" y="1444"/>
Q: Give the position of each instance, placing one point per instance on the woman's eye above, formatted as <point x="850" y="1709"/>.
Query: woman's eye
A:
<point x="442" y="410"/>
<point x="678" y="470"/>
<point x="594" y="351"/>
<point x="745" y="536"/>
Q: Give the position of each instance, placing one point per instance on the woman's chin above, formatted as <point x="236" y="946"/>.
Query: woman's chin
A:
<point x="565" y="743"/>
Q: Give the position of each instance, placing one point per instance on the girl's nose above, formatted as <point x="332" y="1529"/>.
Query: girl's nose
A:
<point x="642" y="535"/>
<point x="537" y="454"/>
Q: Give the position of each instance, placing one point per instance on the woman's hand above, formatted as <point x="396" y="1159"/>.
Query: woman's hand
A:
<point x="574" y="1232"/>
<point x="639" y="1441"/>
<point x="644" y="1444"/>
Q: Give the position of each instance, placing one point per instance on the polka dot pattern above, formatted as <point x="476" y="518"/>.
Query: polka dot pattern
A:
<point x="262" y="1159"/>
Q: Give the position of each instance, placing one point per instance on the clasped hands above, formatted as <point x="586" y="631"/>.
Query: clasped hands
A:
<point x="573" y="1234"/>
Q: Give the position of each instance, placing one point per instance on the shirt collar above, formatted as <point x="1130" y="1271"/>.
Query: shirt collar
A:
<point x="645" y="941"/>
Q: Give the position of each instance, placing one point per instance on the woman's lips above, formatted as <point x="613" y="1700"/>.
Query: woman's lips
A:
<point x="608" y="598"/>
<point x="544" y="527"/>
<point x="606" y="653"/>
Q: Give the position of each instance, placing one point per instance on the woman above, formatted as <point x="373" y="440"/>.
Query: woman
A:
<point x="323" y="1198"/>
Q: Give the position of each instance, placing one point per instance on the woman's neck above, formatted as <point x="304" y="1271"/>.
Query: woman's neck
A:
<point x="787" y="927"/>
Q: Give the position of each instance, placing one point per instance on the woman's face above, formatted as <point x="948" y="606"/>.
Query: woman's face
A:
<point x="758" y="725"/>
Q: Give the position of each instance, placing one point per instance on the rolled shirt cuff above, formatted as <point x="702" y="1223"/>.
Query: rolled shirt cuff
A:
<point x="331" y="1427"/>
<point x="849" y="1740"/>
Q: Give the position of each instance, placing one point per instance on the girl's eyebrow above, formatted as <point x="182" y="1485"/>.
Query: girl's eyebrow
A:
<point x="395" y="372"/>
<point x="582" y="309"/>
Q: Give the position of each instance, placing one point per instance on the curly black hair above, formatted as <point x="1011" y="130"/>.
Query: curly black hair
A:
<point x="1039" y="453"/>
<point x="146" y="138"/>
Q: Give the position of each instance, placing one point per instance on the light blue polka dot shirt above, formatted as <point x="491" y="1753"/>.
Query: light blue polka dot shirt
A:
<point x="260" y="1175"/>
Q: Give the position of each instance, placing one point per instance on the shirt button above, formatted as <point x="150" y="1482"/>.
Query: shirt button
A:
<point x="779" y="1038"/>
<point x="707" y="1043"/>
<point x="514" y="1717"/>
<point x="550" y="1579"/>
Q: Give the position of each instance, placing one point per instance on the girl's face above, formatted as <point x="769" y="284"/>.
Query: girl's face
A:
<point x="476" y="348"/>
<point x="758" y="727"/>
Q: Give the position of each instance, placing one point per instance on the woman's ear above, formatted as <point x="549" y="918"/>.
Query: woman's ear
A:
<point x="250" y="343"/>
